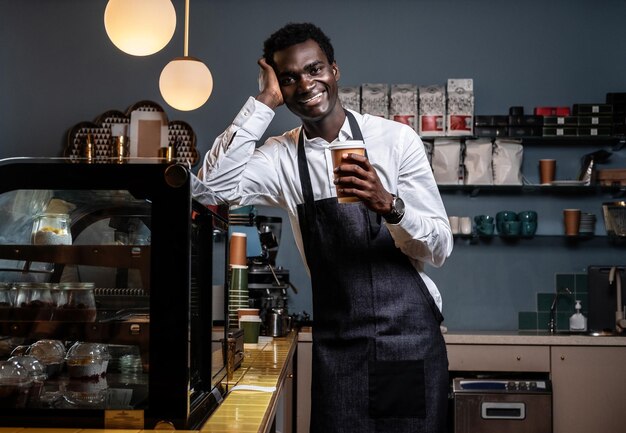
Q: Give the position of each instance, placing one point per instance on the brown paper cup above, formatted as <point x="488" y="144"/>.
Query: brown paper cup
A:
<point x="238" y="249"/>
<point x="571" y="220"/>
<point x="247" y="312"/>
<point x="547" y="170"/>
<point x="337" y="150"/>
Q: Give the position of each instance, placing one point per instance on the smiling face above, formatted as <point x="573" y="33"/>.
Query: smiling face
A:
<point x="308" y="82"/>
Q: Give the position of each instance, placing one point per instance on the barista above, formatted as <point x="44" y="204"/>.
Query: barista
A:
<point x="379" y="359"/>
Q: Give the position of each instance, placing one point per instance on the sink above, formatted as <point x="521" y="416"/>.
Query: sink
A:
<point x="602" y="333"/>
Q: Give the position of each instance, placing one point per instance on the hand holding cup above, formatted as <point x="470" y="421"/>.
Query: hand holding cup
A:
<point x="338" y="151"/>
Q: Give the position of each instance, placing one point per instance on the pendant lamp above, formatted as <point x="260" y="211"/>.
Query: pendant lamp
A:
<point x="140" y="27"/>
<point x="185" y="82"/>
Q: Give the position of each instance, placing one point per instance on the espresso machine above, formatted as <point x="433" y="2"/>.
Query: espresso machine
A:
<point x="268" y="283"/>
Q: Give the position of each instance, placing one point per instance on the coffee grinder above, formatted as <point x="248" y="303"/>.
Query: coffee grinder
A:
<point x="268" y="283"/>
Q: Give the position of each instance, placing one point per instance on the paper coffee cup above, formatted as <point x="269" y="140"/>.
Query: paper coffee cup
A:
<point x="251" y="326"/>
<point x="547" y="170"/>
<point x="337" y="151"/>
<point x="238" y="249"/>
<point x="571" y="220"/>
<point x="241" y="312"/>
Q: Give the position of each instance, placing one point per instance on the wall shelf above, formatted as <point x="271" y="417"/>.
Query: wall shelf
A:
<point x="475" y="190"/>
<point x="542" y="241"/>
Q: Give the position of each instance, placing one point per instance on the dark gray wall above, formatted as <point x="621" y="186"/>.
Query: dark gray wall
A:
<point x="57" y="68"/>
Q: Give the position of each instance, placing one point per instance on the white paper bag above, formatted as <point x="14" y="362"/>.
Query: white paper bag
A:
<point x="446" y="161"/>
<point x="507" y="162"/>
<point x="477" y="162"/>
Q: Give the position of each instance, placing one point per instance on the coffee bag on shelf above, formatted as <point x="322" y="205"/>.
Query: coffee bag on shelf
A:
<point x="507" y="162"/>
<point x="350" y="97"/>
<point x="460" y="114"/>
<point x="447" y="161"/>
<point x="432" y="111"/>
<point x="375" y="99"/>
<point x="477" y="162"/>
<point x="403" y="104"/>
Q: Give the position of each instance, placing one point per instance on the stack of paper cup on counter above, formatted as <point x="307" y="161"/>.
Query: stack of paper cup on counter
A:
<point x="238" y="290"/>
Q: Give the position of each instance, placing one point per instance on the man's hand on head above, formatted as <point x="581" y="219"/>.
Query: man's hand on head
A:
<point x="268" y="86"/>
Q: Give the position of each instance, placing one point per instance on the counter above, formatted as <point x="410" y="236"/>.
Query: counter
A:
<point x="532" y="338"/>
<point x="265" y="366"/>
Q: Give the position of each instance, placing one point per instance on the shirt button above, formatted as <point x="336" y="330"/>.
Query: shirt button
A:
<point x="245" y="113"/>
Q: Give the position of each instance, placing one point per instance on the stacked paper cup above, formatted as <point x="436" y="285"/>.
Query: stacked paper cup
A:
<point x="238" y="290"/>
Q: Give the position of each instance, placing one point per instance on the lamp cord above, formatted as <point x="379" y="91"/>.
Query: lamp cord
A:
<point x="186" y="42"/>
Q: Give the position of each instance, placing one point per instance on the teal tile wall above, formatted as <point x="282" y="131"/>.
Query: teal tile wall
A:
<point x="538" y="320"/>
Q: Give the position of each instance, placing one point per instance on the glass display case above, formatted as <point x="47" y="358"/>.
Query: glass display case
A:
<point x="107" y="275"/>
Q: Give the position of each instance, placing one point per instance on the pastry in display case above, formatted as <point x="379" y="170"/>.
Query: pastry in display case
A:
<point x="107" y="274"/>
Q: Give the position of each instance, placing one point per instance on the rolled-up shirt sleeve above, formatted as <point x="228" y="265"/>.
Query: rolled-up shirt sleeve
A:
<point x="232" y="170"/>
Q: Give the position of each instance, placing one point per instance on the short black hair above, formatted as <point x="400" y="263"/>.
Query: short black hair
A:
<point x="296" y="33"/>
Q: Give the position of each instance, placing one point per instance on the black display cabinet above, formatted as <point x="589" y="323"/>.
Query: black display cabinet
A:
<point x="154" y="256"/>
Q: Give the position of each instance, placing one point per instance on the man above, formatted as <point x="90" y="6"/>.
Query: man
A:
<point x="379" y="359"/>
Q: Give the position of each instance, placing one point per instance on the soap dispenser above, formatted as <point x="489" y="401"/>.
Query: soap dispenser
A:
<point x="577" y="322"/>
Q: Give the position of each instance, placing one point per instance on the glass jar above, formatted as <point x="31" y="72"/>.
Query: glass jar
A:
<point x="34" y="302"/>
<point x="52" y="229"/>
<point x="76" y="303"/>
<point x="6" y="302"/>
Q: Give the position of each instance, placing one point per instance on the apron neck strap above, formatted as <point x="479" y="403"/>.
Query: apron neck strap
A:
<point x="303" y="167"/>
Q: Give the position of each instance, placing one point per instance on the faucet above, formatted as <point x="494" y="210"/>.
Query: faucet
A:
<point x="620" y="321"/>
<point x="552" y="322"/>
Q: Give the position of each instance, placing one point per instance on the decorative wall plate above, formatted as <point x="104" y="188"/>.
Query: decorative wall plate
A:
<point x="114" y="123"/>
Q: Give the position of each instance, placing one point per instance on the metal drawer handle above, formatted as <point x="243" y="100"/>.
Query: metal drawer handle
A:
<point x="499" y="410"/>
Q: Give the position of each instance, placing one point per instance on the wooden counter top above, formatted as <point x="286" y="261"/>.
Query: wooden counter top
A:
<point x="247" y="411"/>
<point x="531" y="338"/>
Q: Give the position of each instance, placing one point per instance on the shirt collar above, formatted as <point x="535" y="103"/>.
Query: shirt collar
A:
<point x="344" y="134"/>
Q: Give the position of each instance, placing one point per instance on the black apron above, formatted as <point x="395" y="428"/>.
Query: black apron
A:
<point x="379" y="358"/>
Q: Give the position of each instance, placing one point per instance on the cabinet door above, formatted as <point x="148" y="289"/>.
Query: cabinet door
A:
<point x="467" y="357"/>
<point x="588" y="389"/>
<point x="303" y="376"/>
<point x="284" y="411"/>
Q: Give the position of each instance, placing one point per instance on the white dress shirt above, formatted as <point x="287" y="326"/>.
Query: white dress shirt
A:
<point x="234" y="170"/>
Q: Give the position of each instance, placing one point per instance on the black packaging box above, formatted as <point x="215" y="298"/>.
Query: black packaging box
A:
<point x="491" y="120"/>
<point x="619" y="108"/>
<point x="480" y="121"/>
<point x="592" y="109"/>
<point x="560" y="121"/>
<point x="595" y="120"/>
<point x="524" y="131"/>
<point x="528" y="120"/>
<point x="619" y="130"/>
<point x="616" y="98"/>
<point x="516" y="111"/>
<point x="619" y="119"/>
<point x="559" y="132"/>
<point x="594" y="132"/>
<point x="491" y="131"/>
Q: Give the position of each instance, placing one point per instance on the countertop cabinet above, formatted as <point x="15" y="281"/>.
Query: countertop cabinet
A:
<point x="588" y="389"/>
<point x="305" y="359"/>
<point x="587" y="373"/>
<point x="498" y="358"/>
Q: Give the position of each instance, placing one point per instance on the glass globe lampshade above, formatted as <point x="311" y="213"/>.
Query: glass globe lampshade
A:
<point x="140" y="27"/>
<point x="186" y="83"/>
